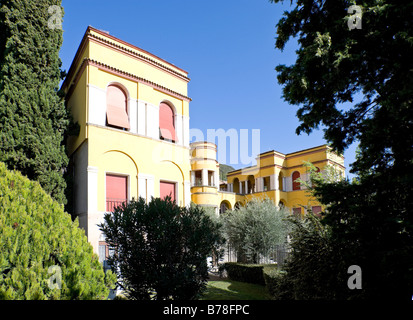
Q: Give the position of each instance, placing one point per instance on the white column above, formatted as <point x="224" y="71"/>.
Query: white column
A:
<point x="178" y="129"/>
<point x="240" y="187"/>
<point x="230" y="187"/>
<point x="216" y="179"/>
<point x="204" y="177"/>
<point x="93" y="217"/>
<point x="92" y="189"/>
<point x="142" y="187"/>
<point x="273" y="182"/>
<point x="246" y="186"/>
<point x="152" y="121"/>
<point x="185" y="131"/>
<point x="133" y="115"/>
<point x="96" y="105"/>
<point x="193" y="178"/>
<point x="141" y="118"/>
<point x="187" y="193"/>
<point x="306" y="178"/>
<point x="259" y="184"/>
<point x="287" y="182"/>
<point x="146" y="186"/>
<point x="150" y="188"/>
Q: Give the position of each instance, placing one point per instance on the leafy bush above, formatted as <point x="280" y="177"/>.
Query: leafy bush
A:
<point x="161" y="249"/>
<point x="35" y="235"/>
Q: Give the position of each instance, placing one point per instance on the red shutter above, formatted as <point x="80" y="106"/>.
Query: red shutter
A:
<point x="166" y="122"/>
<point x="296" y="184"/>
<point x="116" y="191"/>
<point x="167" y="189"/>
<point x="116" y="108"/>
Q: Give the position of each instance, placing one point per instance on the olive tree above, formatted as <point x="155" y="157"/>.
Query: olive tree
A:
<point x="255" y="229"/>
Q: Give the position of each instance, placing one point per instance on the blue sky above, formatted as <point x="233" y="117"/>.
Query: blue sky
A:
<point x="226" y="46"/>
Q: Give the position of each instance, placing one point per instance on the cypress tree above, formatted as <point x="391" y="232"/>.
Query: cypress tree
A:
<point x="33" y="117"/>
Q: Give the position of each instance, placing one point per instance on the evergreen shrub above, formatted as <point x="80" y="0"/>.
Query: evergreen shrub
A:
<point x="43" y="255"/>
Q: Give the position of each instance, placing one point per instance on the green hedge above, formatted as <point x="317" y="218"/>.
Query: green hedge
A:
<point x="276" y="284"/>
<point x="251" y="273"/>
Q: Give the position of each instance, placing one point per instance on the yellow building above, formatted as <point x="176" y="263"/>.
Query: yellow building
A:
<point x="275" y="177"/>
<point x="133" y="111"/>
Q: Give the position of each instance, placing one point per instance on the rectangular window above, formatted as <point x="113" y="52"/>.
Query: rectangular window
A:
<point x="198" y="178"/>
<point x="168" y="189"/>
<point x="267" y="183"/>
<point x="116" y="191"/>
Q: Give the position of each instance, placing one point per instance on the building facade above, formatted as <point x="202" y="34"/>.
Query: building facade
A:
<point x="275" y="177"/>
<point x="132" y="108"/>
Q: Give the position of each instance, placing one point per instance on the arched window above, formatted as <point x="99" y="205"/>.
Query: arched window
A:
<point x="116" y="108"/>
<point x="225" y="205"/>
<point x="296" y="184"/>
<point x="166" y="122"/>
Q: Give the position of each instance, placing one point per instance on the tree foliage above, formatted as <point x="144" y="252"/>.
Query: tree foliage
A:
<point x="33" y="117"/>
<point x="35" y="235"/>
<point x="336" y="65"/>
<point x="311" y="269"/>
<point x="160" y="250"/>
<point x="358" y="84"/>
<point x="255" y="229"/>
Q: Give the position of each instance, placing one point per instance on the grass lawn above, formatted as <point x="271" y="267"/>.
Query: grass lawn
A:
<point x="226" y="289"/>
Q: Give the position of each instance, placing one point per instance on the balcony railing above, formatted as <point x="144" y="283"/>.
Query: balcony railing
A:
<point x="111" y="204"/>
